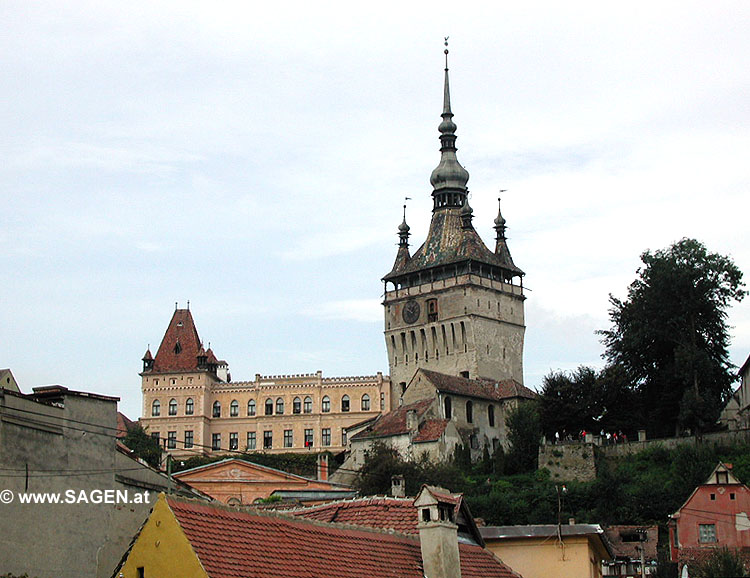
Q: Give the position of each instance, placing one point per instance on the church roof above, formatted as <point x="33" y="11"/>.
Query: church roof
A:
<point x="479" y="388"/>
<point x="179" y="347"/>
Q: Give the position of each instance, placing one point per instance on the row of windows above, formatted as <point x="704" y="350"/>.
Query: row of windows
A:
<point x="298" y="406"/>
<point x="251" y="440"/>
<point x="448" y="411"/>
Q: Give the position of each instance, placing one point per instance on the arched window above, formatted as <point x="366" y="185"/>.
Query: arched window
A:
<point x="189" y="406"/>
<point x="365" y="402"/>
<point x="491" y="415"/>
<point x="234" y="408"/>
<point x="217" y="409"/>
<point x="325" y="404"/>
<point x="269" y="407"/>
<point x="172" y="406"/>
<point x="448" y="407"/>
<point x="345" y="403"/>
<point x="279" y="406"/>
<point x="469" y="412"/>
<point x="297" y="405"/>
<point x="156" y="408"/>
<point x="308" y="405"/>
<point x="251" y="407"/>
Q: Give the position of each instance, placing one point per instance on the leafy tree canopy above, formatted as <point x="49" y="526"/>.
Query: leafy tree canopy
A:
<point x="721" y="563"/>
<point x="588" y="400"/>
<point x="143" y="445"/>
<point x="670" y="336"/>
<point x="524" y="435"/>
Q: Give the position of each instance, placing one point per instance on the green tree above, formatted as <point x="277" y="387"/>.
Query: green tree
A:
<point x="524" y="435"/>
<point x="570" y="402"/>
<point x="670" y="336"/>
<point x="721" y="563"/>
<point x="143" y="445"/>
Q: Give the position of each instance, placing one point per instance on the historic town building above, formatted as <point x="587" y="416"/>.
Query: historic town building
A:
<point x="193" y="406"/>
<point x="454" y="330"/>
<point x="454" y="306"/>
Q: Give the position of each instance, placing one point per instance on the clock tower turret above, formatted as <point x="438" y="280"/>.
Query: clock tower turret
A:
<point x="454" y="306"/>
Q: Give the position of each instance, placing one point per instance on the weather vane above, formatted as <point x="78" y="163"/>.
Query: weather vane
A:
<point x="446" y="52"/>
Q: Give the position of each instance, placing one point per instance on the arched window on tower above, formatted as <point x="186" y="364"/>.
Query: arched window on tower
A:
<point x="234" y="408"/>
<point x="469" y="412"/>
<point x="279" y="406"/>
<point x="172" y="406"/>
<point x="448" y="407"/>
<point x="251" y="407"/>
<point x="365" y="402"/>
<point x="216" y="409"/>
<point x="491" y="415"/>
<point x="325" y="404"/>
<point x="269" y="406"/>
<point x="307" y="408"/>
<point x="156" y="408"/>
<point x="345" y="403"/>
<point x="189" y="406"/>
<point x="296" y="405"/>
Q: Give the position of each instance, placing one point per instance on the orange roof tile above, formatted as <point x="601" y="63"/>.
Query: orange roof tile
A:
<point x="234" y="544"/>
<point x="394" y="422"/>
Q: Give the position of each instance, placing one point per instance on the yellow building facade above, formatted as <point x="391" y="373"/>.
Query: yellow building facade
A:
<point x="568" y="551"/>
<point x="191" y="405"/>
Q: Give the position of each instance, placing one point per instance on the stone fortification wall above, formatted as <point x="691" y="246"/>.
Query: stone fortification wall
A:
<point x="566" y="462"/>
<point x="717" y="438"/>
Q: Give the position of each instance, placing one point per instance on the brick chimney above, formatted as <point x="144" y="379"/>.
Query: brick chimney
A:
<point x="438" y="533"/>
<point x="322" y="467"/>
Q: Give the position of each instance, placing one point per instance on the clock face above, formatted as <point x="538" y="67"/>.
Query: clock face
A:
<point x="411" y="311"/>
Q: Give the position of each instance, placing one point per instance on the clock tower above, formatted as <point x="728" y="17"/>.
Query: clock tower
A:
<point x="454" y="306"/>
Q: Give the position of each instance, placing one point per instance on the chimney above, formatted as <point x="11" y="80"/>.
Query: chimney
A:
<point x="412" y="424"/>
<point x="438" y="533"/>
<point x="323" y="467"/>
<point x="398" y="487"/>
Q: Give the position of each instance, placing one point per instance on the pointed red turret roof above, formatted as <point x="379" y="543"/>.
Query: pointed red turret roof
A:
<point x="179" y="348"/>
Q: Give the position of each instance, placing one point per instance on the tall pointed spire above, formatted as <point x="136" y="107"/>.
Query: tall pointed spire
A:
<point x="500" y="223"/>
<point x="403" y="232"/>
<point x="449" y="178"/>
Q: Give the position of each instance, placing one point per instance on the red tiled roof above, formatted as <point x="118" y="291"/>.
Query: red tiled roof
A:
<point x="377" y="512"/>
<point x="123" y="425"/>
<point x="394" y="422"/>
<point x="181" y="330"/>
<point x="233" y="544"/>
<point x="480" y="388"/>
<point x="430" y="430"/>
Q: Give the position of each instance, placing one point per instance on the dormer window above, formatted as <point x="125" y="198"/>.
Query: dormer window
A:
<point x="177" y="348"/>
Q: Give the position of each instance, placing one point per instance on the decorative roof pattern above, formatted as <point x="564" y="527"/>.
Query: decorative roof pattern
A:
<point x="479" y="388"/>
<point x="180" y="346"/>
<point x="233" y="544"/>
<point x="448" y="243"/>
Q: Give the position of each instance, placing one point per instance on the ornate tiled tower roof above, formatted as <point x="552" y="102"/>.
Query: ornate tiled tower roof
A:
<point x="452" y="246"/>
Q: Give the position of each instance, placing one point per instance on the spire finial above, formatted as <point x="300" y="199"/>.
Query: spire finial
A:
<point x="500" y="221"/>
<point x="449" y="178"/>
<point x="403" y="228"/>
<point x="175" y="305"/>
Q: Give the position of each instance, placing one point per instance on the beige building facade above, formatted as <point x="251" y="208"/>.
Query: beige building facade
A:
<point x="193" y="407"/>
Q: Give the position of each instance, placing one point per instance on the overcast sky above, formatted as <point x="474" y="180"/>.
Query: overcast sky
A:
<point x="253" y="158"/>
